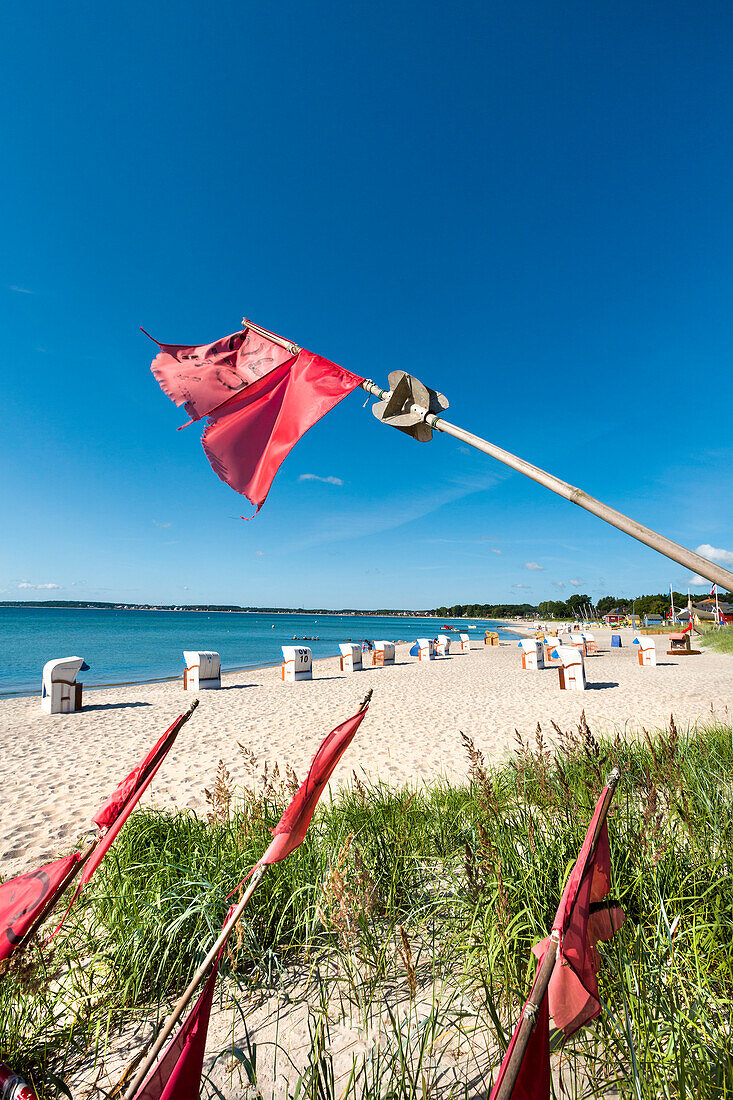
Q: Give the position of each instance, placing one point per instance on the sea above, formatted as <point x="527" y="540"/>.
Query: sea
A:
<point x="123" y="647"/>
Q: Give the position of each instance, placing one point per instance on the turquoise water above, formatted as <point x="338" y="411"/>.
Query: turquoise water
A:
<point x="124" y="646"/>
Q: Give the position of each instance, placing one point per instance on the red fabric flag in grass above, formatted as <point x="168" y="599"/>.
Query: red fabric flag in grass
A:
<point x="290" y="831"/>
<point x="581" y="922"/>
<point x="533" y="1080"/>
<point x="261" y="394"/>
<point x="24" y="899"/>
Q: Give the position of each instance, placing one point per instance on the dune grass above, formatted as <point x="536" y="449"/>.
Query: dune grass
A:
<point x="417" y="908"/>
<point x="719" y="640"/>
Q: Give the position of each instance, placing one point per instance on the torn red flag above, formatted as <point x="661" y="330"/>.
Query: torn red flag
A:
<point x="261" y="394"/>
<point x="581" y="922"/>
<point x="290" y="831"/>
<point x="533" y="1079"/>
<point x="24" y="900"/>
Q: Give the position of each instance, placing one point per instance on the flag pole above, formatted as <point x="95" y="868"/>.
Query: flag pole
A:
<point x="687" y="558"/>
<point x="542" y="981"/>
<point x="186" y="996"/>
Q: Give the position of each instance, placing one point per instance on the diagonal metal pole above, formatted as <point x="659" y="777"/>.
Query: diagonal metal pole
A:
<point x="687" y="558"/>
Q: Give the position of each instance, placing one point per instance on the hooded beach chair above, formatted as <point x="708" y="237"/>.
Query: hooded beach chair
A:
<point x="443" y="646"/>
<point x="425" y="649"/>
<point x="647" y="650"/>
<point x="350" y="660"/>
<point x="491" y="637"/>
<point x="578" y="641"/>
<point x="465" y="643"/>
<point x="591" y="645"/>
<point x="533" y="654"/>
<point x="202" y="671"/>
<point x="572" y="668"/>
<point x="297" y="663"/>
<point x="384" y="653"/>
<point x="60" y="693"/>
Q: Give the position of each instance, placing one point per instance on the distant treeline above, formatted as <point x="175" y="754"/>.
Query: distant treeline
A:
<point x="101" y="605"/>
<point x="572" y="608"/>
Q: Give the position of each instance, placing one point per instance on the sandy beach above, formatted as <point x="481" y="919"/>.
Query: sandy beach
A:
<point x="56" y="770"/>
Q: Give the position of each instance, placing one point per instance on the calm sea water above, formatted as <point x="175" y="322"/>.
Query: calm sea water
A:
<point x="124" y="646"/>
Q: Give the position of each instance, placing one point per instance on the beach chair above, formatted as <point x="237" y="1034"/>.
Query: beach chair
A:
<point x="465" y="643"/>
<point x="680" y="645"/>
<point x="548" y="644"/>
<point x="578" y="642"/>
<point x="297" y="663"/>
<point x="202" y="670"/>
<point x="572" y="668"/>
<point x="591" y="645"/>
<point x="443" y="646"/>
<point x="384" y="653"/>
<point x="60" y="693"/>
<point x="647" y="650"/>
<point x="350" y="660"/>
<point x="533" y="654"/>
<point x="425" y="649"/>
<point x="491" y="637"/>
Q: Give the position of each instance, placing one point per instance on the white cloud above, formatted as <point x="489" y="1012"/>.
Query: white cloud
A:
<point x="330" y="480"/>
<point x="185" y="588"/>
<point x="714" y="553"/>
<point x="533" y="565"/>
<point x="576" y="581"/>
<point x="526" y="586"/>
<point x="37" y="587"/>
<point x="20" y="289"/>
<point x="559" y="584"/>
<point x="159" y="524"/>
<point x="695" y="580"/>
<point x="494" y="550"/>
<point x="259" y="553"/>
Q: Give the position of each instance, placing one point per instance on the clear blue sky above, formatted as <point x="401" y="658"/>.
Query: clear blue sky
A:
<point x="527" y="205"/>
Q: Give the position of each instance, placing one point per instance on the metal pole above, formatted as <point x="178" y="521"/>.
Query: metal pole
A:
<point x="183" y="1000"/>
<point x="687" y="558"/>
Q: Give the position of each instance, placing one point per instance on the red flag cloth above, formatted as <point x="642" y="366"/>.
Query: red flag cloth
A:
<point x="573" y="990"/>
<point x="261" y="394"/>
<point x="292" y="826"/>
<point x="177" y="1073"/>
<point x="533" y="1080"/>
<point x="24" y="899"/>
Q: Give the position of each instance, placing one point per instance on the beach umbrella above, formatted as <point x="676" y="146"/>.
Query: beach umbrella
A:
<point x="566" y="983"/>
<point x="288" y="834"/>
<point x="261" y="393"/>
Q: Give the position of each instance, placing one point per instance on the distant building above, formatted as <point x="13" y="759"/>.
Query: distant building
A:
<point x="653" y="620"/>
<point x="613" y="618"/>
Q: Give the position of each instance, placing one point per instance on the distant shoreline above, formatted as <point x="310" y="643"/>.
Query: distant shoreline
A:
<point x="22" y="604"/>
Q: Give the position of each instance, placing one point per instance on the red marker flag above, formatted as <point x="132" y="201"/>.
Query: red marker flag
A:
<point x="581" y="923"/>
<point x="533" y="1079"/>
<point x="261" y="394"/>
<point x="24" y="900"/>
<point x="290" y="831"/>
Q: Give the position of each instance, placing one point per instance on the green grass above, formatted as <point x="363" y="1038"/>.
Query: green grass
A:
<point x="431" y="897"/>
<point x="720" y="640"/>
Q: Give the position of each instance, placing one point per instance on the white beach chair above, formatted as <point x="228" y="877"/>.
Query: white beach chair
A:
<point x="572" y="668"/>
<point x="591" y="645"/>
<point x="350" y="660"/>
<point x="202" y="670"/>
<point x="465" y="643"/>
<point x="384" y="653"/>
<point x="60" y="693"/>
<point x="425" y="649"/>
<point x="549" y="645"/>
<point x="578" y="641"/>
<point x="443" y="646"/>
<point x="297" y="663"/>
<point x="533" y="654"/>
<point x="647" y="650"/>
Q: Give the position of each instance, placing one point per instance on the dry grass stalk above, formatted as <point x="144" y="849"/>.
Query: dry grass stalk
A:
<point x="406" y="955"/>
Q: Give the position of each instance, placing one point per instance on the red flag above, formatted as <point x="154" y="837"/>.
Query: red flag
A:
<point x="177" y="1074"/>
<point x="24" y="899"/>
<point x="533" y="1080"/>
<point x="292" y="826"/>
<point x="573" y="990"/>
<point x="261" y="394"/>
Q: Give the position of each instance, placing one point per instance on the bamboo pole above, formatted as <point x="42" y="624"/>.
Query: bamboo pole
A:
<point x="542" y="980"/>
<point x="186" y="996"/>
<point x="687" y="558"/>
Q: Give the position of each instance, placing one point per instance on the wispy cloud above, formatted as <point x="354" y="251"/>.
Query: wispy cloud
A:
<point x="559" y="584"/>
<point x="494" y="550"/>
<point x="527" y="587"/>
<point x="533" y="566"/>
<point x="159" y="524"/>
<point x="20" y="289"/>
<point x="714" y="553"/>
<point x="330" y="480"/>
<point x="576" y="581"/>
<point x="259" y="553"/>
<point x="37" y="587"/>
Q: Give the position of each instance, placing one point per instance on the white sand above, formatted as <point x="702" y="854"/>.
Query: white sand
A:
<point x="56" y="770"/>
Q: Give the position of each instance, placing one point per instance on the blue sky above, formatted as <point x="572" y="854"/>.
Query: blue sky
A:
<point x="528" y="206"/>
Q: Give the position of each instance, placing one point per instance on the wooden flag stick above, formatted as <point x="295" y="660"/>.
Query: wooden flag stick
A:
<point x="542" y="980"/>
<point x="688" y="558"/>
<point x="186" y="996"/>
